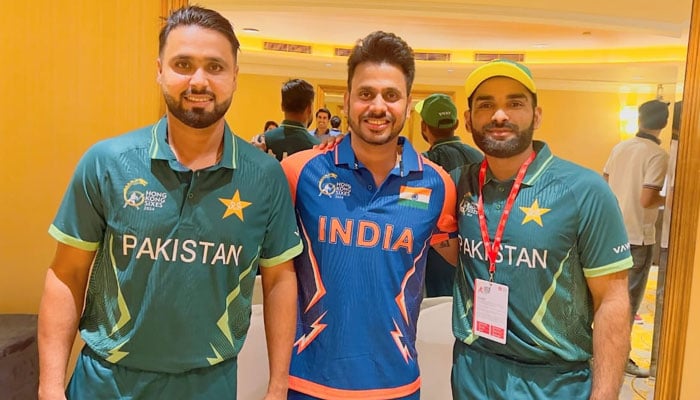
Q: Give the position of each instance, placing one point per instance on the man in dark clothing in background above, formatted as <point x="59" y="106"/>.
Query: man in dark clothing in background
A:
<point x="291" y="136"/>
<point x="439" y="116"/>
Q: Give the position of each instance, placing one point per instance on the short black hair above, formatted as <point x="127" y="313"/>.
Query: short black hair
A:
<point x="202" y="17"/>
<point x="323" y="110"/>
<point x="442" y="133"/>
<point x="269" y="124"/>
<point x="383" y="47"/>
<point x="335" y="121"/>
<point x="653" y="115"/>
<point x="297" y="94"/>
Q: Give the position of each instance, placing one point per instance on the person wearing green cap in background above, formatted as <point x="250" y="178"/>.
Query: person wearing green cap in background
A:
<point x="549" y="317"/>
<point x="439" y="121"/>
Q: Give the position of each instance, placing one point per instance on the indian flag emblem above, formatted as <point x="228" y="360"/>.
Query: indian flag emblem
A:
<point x="416" y="197"/>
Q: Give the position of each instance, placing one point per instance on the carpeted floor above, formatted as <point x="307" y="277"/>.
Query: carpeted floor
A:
<point x="642" y="333"/>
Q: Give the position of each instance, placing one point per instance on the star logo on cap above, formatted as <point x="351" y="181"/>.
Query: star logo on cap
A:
<point x="234" y="206"/>
<point x="534" y="213"/>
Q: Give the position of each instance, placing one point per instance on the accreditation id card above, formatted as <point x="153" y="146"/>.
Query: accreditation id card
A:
<point x="490" y="310"/>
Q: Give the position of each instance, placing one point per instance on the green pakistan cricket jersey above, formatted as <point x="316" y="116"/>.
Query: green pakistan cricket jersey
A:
<point x="177" y="250"/>
<point x="564" y="227"/>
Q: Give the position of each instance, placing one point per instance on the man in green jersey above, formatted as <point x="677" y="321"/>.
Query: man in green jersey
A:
<point x="160" y="235"/>
<point x="291" y="136"/>
<point x="541" y="309"/>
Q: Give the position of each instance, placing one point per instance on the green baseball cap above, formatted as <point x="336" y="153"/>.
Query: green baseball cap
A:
<point x="438" y="111"/>
<point x="507" y="68"/>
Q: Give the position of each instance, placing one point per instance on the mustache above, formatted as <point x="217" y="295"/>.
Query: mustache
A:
<point x="203" y="91"/>
<point x="383" y="115"/>
<point x="496" y="125"/>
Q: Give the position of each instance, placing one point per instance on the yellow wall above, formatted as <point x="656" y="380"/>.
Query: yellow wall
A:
<point x="72" y="72"/>
<point x="256" y="100"/>
<point x="580" y="126"/>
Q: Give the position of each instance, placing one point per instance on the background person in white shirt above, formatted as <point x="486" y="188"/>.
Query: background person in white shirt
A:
<point x="636" y="170"/>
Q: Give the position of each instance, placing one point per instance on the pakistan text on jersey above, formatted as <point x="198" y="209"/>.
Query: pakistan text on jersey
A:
<point x="364" y="233"/>
<point x="510" y="255"/>
<point x="181" y="250"/>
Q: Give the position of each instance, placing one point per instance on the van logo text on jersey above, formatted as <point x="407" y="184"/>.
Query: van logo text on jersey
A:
<point x="621" y="248"/>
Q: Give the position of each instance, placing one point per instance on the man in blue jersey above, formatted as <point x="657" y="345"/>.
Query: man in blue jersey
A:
<point x="438" y="123"/>
<point x="160" y="234"/>
<point x="541" y="309"/>
<point x="335" y="126"/>
<point x="323" y="120"/>
<point x="368" y="210"/>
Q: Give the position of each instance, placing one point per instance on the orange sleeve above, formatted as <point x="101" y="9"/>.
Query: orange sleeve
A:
<point x="447" y="222"/>
<point x="292" y="167"/>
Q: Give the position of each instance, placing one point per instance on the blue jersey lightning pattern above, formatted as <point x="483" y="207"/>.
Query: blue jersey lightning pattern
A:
<point x="361" y="274"/>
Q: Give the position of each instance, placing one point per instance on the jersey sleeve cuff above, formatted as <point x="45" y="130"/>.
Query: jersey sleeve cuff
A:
<point x="286" y="256"/>
<point x="72" y="241"/>
<point x="617" y="266"/>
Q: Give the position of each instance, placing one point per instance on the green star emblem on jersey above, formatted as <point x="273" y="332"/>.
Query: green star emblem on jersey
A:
<point x="534" y="213"/>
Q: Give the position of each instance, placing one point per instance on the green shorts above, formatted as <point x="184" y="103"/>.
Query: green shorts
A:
<point x="481" y="376"/>
<point x="94" y="378"/>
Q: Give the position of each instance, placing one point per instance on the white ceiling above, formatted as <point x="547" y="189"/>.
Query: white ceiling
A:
<point x="535" y="26"/>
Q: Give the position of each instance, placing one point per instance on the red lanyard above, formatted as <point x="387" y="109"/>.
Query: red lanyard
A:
<point x="492" y="251"/>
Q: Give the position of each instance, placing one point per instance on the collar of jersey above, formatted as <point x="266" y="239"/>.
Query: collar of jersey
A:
<point x="542" y="160"/>
<point x="451" y="139"/>
<point x="160" y="150"/>
<point x="343" y="154"/>
<point x="648" y="136"/>
<point x="287" y="123"/>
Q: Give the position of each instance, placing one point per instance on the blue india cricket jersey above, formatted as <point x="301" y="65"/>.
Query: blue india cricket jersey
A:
<point x="361" y="274"/>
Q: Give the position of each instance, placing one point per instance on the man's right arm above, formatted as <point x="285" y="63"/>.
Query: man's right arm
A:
<point x="651" y="198"/>
<point x="448" y="249"/>
<point x="59" y="313"/>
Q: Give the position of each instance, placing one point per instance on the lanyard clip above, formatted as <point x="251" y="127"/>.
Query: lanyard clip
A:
<point x="491" y="277"/>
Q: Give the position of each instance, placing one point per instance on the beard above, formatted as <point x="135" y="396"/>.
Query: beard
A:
<point x="374" y="139"/>
<point x="196" y="117"/>
<point x="503" y="148"/>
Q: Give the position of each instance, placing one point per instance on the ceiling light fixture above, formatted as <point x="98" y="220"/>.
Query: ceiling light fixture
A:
<point x="251" y="30"/>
